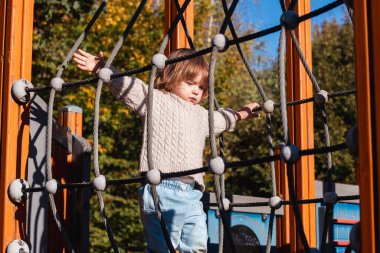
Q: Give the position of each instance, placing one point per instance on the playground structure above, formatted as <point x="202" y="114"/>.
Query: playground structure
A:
<point x="16" y="50"/>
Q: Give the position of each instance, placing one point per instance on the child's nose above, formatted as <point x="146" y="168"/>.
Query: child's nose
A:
<point x="196" y="91"/>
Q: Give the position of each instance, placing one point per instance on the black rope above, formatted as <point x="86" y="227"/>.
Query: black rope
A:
<point x="292" y="5"/>
<point x="196" y="54"/>
<point x="228" y="16"/>
<point x="326" y="226"/>
<point x="296" y="210"/>
<point x="229" y="165"/>
<point x="282" y="5"/>
<point x="311" y="99"/>
<point x="183" y="22"/>
<point x="321" y="10"/>
<point x="287" y="202"/>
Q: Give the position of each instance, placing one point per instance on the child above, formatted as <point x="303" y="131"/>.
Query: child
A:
<point x="180" y="129"/>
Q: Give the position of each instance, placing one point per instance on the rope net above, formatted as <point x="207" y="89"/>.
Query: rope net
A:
<point x="287" y="23"/>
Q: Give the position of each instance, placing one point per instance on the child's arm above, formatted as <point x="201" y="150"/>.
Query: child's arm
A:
<point x="225" y="119"/>
<point x="131" y="91"/>
<point x="246" y="112"/>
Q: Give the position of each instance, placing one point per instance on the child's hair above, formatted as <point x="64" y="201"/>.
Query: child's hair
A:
<point x="186" y="70"/>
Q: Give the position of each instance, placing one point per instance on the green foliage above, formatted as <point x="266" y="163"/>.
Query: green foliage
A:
<point x="58" y="23"/>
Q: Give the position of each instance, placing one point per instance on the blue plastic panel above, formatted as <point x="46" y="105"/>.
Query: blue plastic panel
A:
<point x="256" y="223"/>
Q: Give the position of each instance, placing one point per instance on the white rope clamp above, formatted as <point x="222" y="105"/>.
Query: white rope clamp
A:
<point x="16" y="191"/>
<point x="51" y="186"/>
<point x="289" y="19"/>
<point x="159" y="60"/>
<point x="322" y="97"/>
<point x="56" y="83"/>
<point x="19" y="94"/>
<point x="330" y="197"/>
<point x="105" y="75"/>
<point x="275" y="202"/>
<point x="268" y="106"/>
<point x="153" y="177"/>
<point x="17" y="246"/>
<point x="216" y="165"/>
<point x="226" y="204"/>
<point x="100" y="183"/>
<point x="290" y="153"/>
<point x="220" y="41"/>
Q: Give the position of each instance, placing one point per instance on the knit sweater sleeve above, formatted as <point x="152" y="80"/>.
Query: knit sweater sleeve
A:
<point x="130" y="91"/>
<point x="224" y="120"/>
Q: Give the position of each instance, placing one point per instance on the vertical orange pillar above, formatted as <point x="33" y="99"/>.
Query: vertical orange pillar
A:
<point x="71" y="120"/>
<point x="178" y="39"/>
<point x="283" y="224"/>
<point x="16" y="34"/>
<point x="367" y="52"/>
<point x="301" y="126"/>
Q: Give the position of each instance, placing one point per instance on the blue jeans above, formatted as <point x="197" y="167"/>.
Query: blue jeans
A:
<point x="183" y="213"/>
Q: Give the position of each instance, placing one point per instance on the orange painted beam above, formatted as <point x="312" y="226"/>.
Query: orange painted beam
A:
<point x="16" y="33"/>
<point x="179" y="39"/>
<point x="64" y="172"/>
<point x="284" y="226"/>
<point x="375" y="52"/>
<point x="367" y="55"/>
<point x="301" y="126"/>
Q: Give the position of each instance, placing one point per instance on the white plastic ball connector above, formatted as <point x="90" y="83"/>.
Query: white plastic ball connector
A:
<point x="19" y="94"/>
<point x="290" y="153"/>
<point x="51" y="186"/>
<point x="352" y="140"/>
<point x="268" y="106"/>
<point x="159" y="60"/>
<point x="17" y="246"/>
<point x="16" y="190"/>
<point x="226" y="204"/>
<point x="220" y="41"/>
<point x="330" y="197"/>
<point x="289" y="19"/>
<point x="355" y="238"/>
<point x="153" y="177"/>
<point x="56" y="83"/>
<point x="100" y="183"/>
<point x="275" y="202"/>
<point x="216" y="165"/>
<point x="105" y="75"/>
<point x="321" y="97"/>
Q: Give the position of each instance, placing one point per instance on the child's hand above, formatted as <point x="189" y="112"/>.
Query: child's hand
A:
<point x="246" y="112"/>
<point x="89" y="62"/>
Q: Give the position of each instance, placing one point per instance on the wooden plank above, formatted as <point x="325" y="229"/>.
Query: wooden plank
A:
<point x="368" y="118"/>
<point x="179" y="39"/>
<point x="16" y="36"/>
<point x="63" y="171"/>
<point x="375" y="56"/>
<point x="283" y="223"/>
<point x="301" y="125"/>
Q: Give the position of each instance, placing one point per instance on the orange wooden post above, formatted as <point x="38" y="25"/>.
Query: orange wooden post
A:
<point x="71" y="120"/>
<point x="367" y="50"/>
<point x="283" y="224"/>
<point x="179" y="39"/>
<point x="16" y="33"/>
<point x="301" y="126"/>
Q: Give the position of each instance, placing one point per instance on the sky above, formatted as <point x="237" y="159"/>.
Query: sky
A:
<point x="262" y="14"/>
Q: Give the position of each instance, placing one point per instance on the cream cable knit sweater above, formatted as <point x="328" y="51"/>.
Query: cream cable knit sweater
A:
<point x="179" y="127"/>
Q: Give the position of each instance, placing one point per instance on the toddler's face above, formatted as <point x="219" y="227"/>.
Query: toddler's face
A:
<point x="190" y="90"/>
